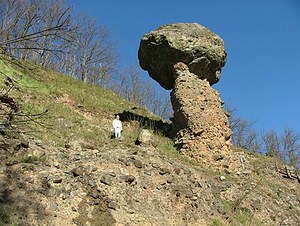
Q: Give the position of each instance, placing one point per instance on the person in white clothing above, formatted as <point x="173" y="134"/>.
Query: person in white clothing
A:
<point x="242" y="161"/>
<point x="117" y="124"/>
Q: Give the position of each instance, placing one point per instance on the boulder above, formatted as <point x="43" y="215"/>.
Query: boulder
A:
<point x="196" y="46"/>
<point x="146" y="138"/>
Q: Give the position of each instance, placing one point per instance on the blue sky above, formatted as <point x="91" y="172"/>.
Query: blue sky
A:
<point x="261" y="78"/>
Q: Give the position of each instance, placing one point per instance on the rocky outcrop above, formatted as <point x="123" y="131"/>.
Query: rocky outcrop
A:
<point x="119" y="185"/>
<point x="194" y="45"/>
<point x="188" y="58"/>
<point x="201" y="127"/>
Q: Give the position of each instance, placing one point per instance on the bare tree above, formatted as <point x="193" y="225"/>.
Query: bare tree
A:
<point x="54" y="13"/>
<point x="129" y="84"/>
<point x="33" y="29"/>
<point x="44" y="32"/>
<point x="11" y="116"/>
<point x="253" y="142"/>
<point x="11" y="13"/>
<point x="244" y="135"/>
<point x="94" y="49"/>
<point x="271" y="143"/>
<point x="291" y="146"/>
<point x="162" y="107"/>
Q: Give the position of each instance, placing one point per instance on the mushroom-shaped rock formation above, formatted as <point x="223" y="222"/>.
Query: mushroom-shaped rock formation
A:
<point x="190" y="43"/>
<point x="188" y="58"/>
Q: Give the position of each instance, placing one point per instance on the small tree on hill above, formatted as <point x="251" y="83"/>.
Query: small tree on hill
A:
<point x="244" y="136"/>
<point x="271" y="143"/>
<point x="291" y="147"/>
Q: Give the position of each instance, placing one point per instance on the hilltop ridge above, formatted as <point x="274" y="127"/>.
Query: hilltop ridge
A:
<point x="59" y="165"/>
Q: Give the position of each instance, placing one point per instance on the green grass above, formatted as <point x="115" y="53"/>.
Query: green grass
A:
<point x="29" y="159"/>
<point x="44" y="85"/>
<point x="217" y="222"/>
<point x="53" y="99"/>
<point x="239" y="215"/>
<point x="166" y="146"/>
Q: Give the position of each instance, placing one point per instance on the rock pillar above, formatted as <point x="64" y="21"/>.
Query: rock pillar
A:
<point x="200" y="125"/>
<point x="187" y="58"/>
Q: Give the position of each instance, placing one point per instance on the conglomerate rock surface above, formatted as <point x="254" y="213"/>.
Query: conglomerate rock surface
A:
<point x="188" y="58"/>
<point x="199" y="48"/>
<point x="201" y="127"/>
<point x="137" y="186"/>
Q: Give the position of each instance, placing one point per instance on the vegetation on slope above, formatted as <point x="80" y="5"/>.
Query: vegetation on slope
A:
<point x="57" y="109"/>
<point x="62" y="100"/>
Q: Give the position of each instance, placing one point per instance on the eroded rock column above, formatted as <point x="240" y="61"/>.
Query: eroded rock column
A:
<point x="200" y="125"/>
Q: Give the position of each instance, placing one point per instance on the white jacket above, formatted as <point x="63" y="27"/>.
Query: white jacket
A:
<point x="117" y="124"/>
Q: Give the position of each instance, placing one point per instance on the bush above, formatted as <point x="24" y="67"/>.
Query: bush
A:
<point x="29" y="159"/>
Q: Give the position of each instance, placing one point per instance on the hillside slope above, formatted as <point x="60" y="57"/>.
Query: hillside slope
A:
<point x="60" y="166"/>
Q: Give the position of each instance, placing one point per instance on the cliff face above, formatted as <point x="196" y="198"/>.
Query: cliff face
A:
<point x="66" y="170"/>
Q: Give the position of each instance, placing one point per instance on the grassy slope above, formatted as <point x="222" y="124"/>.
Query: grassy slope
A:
<point x="75" y="109"/>
<point x="88" y="109"/>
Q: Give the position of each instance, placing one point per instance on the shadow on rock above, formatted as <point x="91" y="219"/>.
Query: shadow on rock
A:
<point x="145" y="122"/>
<point x="17" y="199"/>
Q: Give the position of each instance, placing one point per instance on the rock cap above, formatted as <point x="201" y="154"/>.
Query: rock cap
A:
<point x="191" y="43"/>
